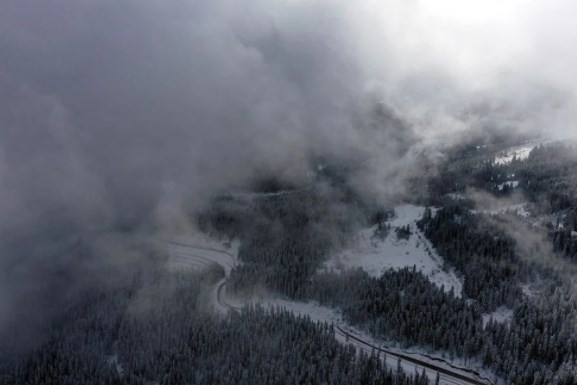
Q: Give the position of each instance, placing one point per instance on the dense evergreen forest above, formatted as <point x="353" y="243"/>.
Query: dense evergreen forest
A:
<point x="159" y="328"/>
<point x="484" y="254"/>
<point x="285" y="238"/>
<point x="547" y="179"/>
<point x="163" y="332"/>
<point x="537" y="346"/>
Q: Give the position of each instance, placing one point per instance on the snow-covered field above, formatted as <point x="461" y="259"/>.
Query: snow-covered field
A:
<point x="376" y="256"/>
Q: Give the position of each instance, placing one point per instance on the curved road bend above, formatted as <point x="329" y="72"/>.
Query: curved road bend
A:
<point x="441" y="370"/>
<point x="446" y="374"/>
<point x="219" y="297"/>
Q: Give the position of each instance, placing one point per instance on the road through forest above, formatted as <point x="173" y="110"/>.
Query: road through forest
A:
<point x="185" y="254"/>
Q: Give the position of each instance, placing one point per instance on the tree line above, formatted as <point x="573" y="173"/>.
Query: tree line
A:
<point x="164" y="333"/>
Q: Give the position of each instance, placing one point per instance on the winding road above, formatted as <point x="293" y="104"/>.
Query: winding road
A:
<point x="445" y="374"/>
<point x="197" y="256"/>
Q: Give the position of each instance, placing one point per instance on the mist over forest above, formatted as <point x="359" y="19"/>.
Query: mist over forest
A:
<point x="284" y="134"/>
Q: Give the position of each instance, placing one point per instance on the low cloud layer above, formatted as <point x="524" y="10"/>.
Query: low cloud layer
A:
<point x="105" y="103"/>
<point x="114" y="111"/>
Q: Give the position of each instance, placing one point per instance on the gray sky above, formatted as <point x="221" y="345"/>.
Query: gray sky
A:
<point x="117" y="100"/>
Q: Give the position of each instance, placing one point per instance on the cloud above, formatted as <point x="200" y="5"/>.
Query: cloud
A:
<point x="202" y="94"/>
<point x="114" y="113"/>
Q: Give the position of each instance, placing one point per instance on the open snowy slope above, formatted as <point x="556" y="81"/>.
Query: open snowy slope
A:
<point x="375" y="255"/>
<point x="199" y="252"/>
<point x="521" y="151"/>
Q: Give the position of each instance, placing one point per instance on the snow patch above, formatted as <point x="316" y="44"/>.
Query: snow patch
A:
<point x="456" y="196"/>
<point x="375" y="255"/>
<point x="198" y="252"/>
<point x="510" y="184"/>
<point x="528" y="290"/>
<point x="501" y="315"/>
<point x="113" y="361"/>
<point x="521" y="153"/>
<point x="316" y="312"/>
<point x="520" y="209"/>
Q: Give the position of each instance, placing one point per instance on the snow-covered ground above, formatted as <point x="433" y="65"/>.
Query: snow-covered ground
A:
<point x="200" y="251"/>
<point x="501" y="315"/>
<point x="510" y="184"/>
<point x="376" y="256"/>
<point x="521" y="151"/>
<point x="520" y="209"/>
<point x="527" y="290"/>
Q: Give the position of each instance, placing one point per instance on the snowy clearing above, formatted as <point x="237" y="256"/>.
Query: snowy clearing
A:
<point x="375" y="255"/>
<point x="501" y="315"/>
<point x="521" y="152"/>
